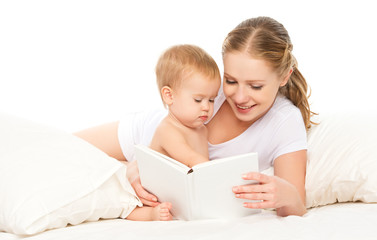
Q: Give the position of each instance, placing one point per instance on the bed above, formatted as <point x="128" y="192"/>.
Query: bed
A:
<point x="336" y="221"/>
<point x="85" y="189"/>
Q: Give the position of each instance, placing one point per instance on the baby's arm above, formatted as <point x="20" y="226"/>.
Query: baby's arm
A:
<point x="183" y="153"/>
<point x="175" y="145"/>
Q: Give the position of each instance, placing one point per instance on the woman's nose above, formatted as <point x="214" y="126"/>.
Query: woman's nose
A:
<point x="241" y="95"/>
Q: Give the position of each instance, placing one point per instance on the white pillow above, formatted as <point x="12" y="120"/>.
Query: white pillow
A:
<point x="342" y="159"/>
<point x="49" y="178"/>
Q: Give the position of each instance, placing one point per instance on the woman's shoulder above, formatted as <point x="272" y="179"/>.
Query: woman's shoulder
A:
<point x="282" y="113"/>
<point x="284" y="108"/>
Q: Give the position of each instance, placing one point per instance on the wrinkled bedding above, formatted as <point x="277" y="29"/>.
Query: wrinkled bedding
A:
<point x="337" y="221"/>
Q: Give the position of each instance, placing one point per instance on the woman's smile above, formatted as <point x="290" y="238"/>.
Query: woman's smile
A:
<point x="244" y="108"/>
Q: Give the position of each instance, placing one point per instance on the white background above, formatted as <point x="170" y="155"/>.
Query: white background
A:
<point x="74" y="64"/>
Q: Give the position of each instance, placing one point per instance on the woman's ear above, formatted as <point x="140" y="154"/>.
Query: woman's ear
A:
<point x="167" y="95"/>
<point x="286" y="78"/>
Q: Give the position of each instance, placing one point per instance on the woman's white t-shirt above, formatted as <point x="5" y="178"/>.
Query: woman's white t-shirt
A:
<point x="281" y="130"/>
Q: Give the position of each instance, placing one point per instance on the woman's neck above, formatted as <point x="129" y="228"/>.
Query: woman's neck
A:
<point x="217" y="133"/>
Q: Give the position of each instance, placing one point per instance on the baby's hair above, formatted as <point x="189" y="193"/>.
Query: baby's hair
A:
<point x="265" y="38"/>
<point x="180" y="61"/>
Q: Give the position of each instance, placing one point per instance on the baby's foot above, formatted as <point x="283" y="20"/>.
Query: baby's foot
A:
<point x="162" y="212"/>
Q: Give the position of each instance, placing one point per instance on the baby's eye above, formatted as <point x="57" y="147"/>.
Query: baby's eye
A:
<point x="198" y="100"/>
<point x="230" y="81"/>
<point x="256" y="87"/>
<point x="212" y="100"/>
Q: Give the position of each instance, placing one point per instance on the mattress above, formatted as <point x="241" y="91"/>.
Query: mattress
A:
<point x="336" y="221"/>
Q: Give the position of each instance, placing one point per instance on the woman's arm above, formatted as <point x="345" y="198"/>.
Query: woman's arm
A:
<point x="291" y="167"/>
<point x="105" y="137"/>
<point x="284" y="191"/>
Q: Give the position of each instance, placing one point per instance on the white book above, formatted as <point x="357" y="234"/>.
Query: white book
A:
<point x="201" y="192"/>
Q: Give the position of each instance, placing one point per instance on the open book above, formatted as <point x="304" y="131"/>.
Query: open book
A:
<point x="201" y="192"/>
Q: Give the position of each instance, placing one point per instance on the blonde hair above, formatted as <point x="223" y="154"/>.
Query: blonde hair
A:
<point x="265" y="38"/>
<point x="180" y="61"/>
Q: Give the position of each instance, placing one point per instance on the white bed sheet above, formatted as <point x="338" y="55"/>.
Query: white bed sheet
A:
<point x="337" y="221"/>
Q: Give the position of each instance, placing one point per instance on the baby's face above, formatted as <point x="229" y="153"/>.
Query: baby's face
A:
<point x="193" y="101"/>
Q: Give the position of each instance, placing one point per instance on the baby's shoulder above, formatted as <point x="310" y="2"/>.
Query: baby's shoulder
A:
<point x="168" y="128"/>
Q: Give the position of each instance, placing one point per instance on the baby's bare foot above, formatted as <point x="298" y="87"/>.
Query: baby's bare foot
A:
<point x="162" y="212"/>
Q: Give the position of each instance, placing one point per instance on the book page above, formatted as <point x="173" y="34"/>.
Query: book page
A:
<point x="213" y="182"/>
<point x="165" y="178"/>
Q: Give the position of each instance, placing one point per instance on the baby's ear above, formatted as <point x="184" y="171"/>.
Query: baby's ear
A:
<point x="167" y="95"/>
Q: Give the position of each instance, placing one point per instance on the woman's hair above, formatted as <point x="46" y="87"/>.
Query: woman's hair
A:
<point x="265" y="38"/>
<point x="180" y="61"/>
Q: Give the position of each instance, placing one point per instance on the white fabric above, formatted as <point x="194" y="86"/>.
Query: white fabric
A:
<point x="138" y="128"/>
<point x="49" y="178"/>
<point x="342" y="165"/>
<point x="342" y="159"/>
<point x="279" y="131"/>
<point x="337" y="222"/>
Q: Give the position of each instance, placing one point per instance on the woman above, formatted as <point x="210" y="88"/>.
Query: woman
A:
<point x="262" y="107"/>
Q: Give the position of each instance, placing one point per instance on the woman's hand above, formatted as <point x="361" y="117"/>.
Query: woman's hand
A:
<point x="134" y="178"/>
<point x="271" y="192"/>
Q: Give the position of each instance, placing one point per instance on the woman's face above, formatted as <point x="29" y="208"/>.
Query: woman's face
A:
<point x="250" y="86"/>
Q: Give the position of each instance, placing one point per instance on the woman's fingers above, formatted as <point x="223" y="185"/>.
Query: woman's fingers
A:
<point x="149" y="203"/>
<point x="258" y="200"/>
<point x="145" y="197"/>
<point x="269" y="192"/>
<point x="250" y="188"/>
<point x="259" y="205"/>
<point x="262" y="194"/>
<point x="134" y="178"/>
<point x="255" y="196"/>
<point x="259" y="177"/>
<point x="263" y="184"/>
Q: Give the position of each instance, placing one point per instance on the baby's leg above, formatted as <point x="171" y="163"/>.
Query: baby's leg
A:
<point x="158" y="213"/>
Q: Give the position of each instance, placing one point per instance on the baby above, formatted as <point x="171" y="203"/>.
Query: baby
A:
<point x="188" y="79"/>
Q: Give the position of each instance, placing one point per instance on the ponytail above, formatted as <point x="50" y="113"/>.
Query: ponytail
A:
<point x="296" y="90"/>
